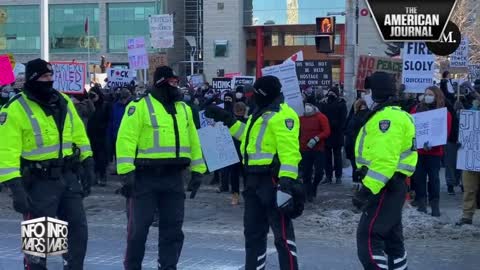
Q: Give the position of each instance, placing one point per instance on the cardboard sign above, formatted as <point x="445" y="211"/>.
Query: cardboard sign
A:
<point x="314" y="73"/>
<point x="242" y="80"/>
<point x="6" y="71"/>
<point x="431" y="127"/>
<point x="418" y="67"/>
<point x="118" y="77"/>
<point x="367" y="65"/>
<point x="468" y="157"/>
<point x="217" y="146"/>
<point x="221" y="85"/>
<point x="137" y="53"/>
<point x="156" y="60"/>
<point x="69" y="77"/>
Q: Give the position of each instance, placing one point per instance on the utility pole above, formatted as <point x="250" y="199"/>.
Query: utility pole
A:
<point x="44" y="38"/>
<point x="351" y="24"/>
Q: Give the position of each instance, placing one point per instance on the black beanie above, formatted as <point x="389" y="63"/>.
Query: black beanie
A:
<point x="268" y="86"/>
<point x="229" y="94"/>
<point x="382" y="85"/>
<point x="36" y="68"/>
<point x="162" y="74"/>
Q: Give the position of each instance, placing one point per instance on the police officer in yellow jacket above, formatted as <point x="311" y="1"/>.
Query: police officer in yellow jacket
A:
<point x="157" y="141"/>
<point x="44" y="144"/>
<point x="271" y="154"/>
<point x="385" y="153"/>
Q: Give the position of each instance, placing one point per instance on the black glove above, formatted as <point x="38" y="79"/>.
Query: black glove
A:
<point x="194" y="184"/>
<point x="290" y="197"/>
<point x="128" y="180"/>
<point x="220" y="115"/>
<point x="362" y="197"/>
<point x="88" y="176"/>
<point x="362" y="172"/>
<point x="20" y="199"/>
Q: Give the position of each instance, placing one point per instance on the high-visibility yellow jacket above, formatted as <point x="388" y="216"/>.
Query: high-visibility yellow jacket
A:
<point x="386" y="145"/>
<point x="148" y="132"/>
<point x="273" y="135"/>
<point x="27" y="132"/>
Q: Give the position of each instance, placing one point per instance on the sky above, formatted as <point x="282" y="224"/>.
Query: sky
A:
<point x="275" y="10"/>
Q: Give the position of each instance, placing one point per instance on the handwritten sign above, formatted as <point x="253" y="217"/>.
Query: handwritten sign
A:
<point x="118" y="77"/>
<point x="314" y="73"/>
<point x="217" y="146"/>
<point x="431" y="127"/>
<point x="468" y="158"/>
<point x="137" y="53"/>
<point x="161" y="31"/>
<point x="367" y="65"/>
<point x="205" y="121"/>
<point x="459" y="59"/>
<point x="6" y="71"/>
<point x="69" y="77"/>
<point x="287" y="75"/>
<point x="221" y="85"/>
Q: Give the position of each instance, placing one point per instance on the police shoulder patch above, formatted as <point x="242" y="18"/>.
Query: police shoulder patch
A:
<point x="3" y="118"/>
<point x="131" y="111"/>
<point x="289" y="123"/>
<point x="384" y="125"/>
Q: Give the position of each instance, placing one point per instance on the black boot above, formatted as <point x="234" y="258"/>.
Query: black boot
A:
<point x="451" y="190"/>
<point x="435" y="205"/>
<point x="422" y="206"/>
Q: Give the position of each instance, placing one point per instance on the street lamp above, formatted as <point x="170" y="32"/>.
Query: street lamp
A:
<point x="193" y="44"/>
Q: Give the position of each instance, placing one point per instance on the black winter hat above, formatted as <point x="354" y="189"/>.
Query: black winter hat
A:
<point x="162" y="74"/>
<point x="267" y="86"/>
<point x="228" y="94"/>
<point x="36" y="68"/>
<point x="382" y="85"/>
<point x="335" y="90"/>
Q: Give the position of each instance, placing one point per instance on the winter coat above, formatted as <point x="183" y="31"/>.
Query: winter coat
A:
<point x="97" y="126"/>
<point x="351" y="131"/>
<point x="118" y="110"/>
<point x="312" y="126"/>
<point x="336" y="113"/>
<point x="437" y="150"/>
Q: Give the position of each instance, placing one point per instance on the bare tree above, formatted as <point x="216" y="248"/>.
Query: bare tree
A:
<point x="464" y="16"/>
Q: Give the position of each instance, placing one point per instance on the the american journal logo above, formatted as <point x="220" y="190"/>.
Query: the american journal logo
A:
<point x="44" y="237"/>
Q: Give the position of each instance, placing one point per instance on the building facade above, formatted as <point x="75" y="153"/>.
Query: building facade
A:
<point x="76" y="28"/>
<point x="245" y="35"/>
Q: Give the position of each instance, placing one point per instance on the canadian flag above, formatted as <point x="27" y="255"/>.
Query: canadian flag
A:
<point x="296" y="57"/>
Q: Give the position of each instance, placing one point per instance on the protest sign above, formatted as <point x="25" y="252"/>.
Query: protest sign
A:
<point x="99" y="78"/>
<point x="459" y="59"/>
<point x="314" y="73"/>
<point x="287" y="75"/>
<point x="205" y="121"/>
<point x="474" y="72"/>
<point x="232" y="74"/>
<point x="18" y="69"/>
<point x="156" y="60"/>
<point x="137" y="53"/>
<point x="468" y="157"/>
<point x="242" y="80"/>
<point x="221" y="85"/>
<point x="367" y="65"/>
<point x="418" y="67"/>
<point x="217" y="146"/>
<point x="69" y="77"/>
<point x="298" y="56"/>
<point x="161" y="31"/>
<point x="6" y="71"/>
<point x="118" y="77"/>
<point x="431" y="127"/>
<point x="196" y="80"/>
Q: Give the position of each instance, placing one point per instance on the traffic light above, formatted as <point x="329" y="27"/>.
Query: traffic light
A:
<point x="325" y="35"/>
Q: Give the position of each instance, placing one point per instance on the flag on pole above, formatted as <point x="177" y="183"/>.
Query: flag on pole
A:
<point x="86" y="25"/>
<point x="296" y="57"/>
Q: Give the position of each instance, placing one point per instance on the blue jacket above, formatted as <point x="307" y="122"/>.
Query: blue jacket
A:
<point x="117" y="114"/>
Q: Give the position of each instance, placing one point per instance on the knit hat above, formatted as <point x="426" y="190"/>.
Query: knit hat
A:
<point x="162" y="74"/>
<point x="382" y="85"/>
<point x="36" y="68"/>
<point x="268" y="86"/>
<point x="228" y="94"/>
<point x="335" y="90"/>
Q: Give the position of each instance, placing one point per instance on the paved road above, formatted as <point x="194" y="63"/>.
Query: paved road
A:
<point x="214" y="238"/>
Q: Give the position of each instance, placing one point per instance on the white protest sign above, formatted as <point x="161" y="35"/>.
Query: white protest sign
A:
<point x="69" y="77"/>
<point x="137" y="53"/>
<point x="118" y="77"/>
<point x="468" y="157"/>
<point x="459" y="59"/>
<point x="19" y="68"/>
<point x="287" y="74"/>
<point x="418" y="67"/>
<point x="217" y="146"/>
<point x="99" y="78"/>
<point x="431" y="127"/>
<point x="161" y="31"/>
<point x="205" y="121"/>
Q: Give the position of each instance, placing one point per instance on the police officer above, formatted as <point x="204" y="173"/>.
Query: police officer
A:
<point x="271" y="154"/>
<point x="157" y="141"/>
<point x="39" y="163"/>
<point x="385" y="153"/>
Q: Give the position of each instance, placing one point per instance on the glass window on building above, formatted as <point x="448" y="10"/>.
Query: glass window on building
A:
<point x="19" y="29"/>
<point x="128" y="20"/>
<point x="69" y="31"/>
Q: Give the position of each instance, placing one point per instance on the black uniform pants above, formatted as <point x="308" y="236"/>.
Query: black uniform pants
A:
<point x="311" y="160"/>
<point x="380" y="231"/>
<point x="60" y="199"/>
<point x="333" y="162"/>
<point x="260" y="214"/>
<point x="161" y="190"/>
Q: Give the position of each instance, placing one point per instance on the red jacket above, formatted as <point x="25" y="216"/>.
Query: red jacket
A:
<point x="311" y="126"/>
<point x="437" y="150"/>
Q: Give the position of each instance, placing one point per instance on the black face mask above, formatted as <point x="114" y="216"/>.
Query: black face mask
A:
<point x="41" y="90"/>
